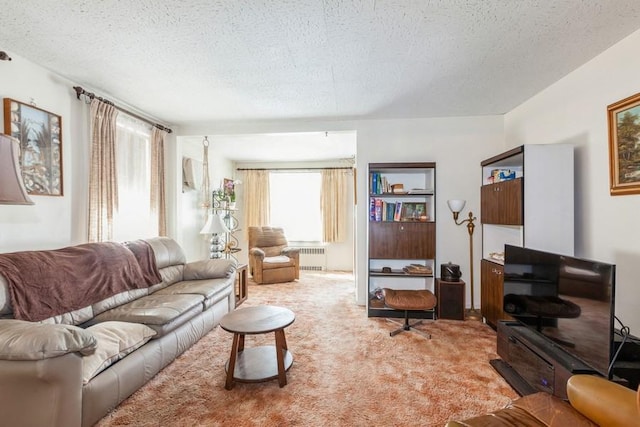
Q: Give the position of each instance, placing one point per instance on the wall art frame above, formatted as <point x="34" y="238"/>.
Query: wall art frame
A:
<point x="624" y="146"/>
<point x="40" y="136"/>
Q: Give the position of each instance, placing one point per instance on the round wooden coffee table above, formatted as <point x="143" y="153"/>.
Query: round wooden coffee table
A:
<point x="258" y="363"/>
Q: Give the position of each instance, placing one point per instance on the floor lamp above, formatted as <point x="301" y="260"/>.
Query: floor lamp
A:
<point x="456" y="207"/>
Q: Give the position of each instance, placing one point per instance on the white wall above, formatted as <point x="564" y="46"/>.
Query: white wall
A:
<point x="51" y="221"/>
<point x="574" y="110"/>
<point x="190" y="215"/>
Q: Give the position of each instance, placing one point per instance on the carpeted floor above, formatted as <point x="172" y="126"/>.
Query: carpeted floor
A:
<point x="347" y="370"/>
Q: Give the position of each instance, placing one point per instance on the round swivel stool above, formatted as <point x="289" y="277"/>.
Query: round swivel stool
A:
<point x="409" y="301"/>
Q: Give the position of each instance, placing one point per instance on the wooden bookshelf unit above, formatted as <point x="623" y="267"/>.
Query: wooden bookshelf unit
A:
<point x="402" y="232"/>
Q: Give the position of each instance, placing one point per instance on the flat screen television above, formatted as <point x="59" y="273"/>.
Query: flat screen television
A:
<point x="568" y="300"/>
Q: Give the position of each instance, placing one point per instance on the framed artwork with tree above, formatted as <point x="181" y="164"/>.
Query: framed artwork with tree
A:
<point x="40" y="136"/>
<point x="624" y="146"/>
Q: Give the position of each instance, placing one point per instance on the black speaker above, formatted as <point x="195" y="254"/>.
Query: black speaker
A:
<point x="450" y="299"/>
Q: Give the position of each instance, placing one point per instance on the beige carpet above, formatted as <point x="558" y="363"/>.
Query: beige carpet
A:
<point x="347" y="370"/>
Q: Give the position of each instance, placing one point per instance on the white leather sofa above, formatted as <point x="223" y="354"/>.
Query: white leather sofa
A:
<point x="72" y="369"/>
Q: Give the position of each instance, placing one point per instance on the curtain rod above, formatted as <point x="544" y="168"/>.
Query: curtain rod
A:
<point x="291" y="169"/>
<point x="80" y="91"/>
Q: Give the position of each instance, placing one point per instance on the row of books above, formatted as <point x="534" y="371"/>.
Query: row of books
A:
<point x="381" y="210"/>
<point x="379" y="184"/>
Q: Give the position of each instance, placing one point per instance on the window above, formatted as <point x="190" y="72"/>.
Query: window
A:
<point x="295" y="204"/>
<point x="132" y="219"/>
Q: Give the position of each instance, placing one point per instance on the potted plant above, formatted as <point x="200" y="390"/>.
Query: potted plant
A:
<point x="230" y="192"/>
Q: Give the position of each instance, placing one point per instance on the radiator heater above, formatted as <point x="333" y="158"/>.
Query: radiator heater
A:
<point x="313" y="258"/>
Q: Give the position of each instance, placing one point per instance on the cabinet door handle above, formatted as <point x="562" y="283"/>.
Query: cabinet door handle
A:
<point x="512" y="339"/>
<point x="496" y="271"/>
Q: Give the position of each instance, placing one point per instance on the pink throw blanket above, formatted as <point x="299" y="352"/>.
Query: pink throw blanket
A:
<point x="43" y="284"/>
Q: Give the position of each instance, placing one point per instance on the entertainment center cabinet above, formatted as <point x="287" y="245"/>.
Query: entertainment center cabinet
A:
<point x="526" y="199"/>
<point x="531" y="363"/>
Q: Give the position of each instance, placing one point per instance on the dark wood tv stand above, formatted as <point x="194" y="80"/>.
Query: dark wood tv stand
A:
<point x="532" y="363"/>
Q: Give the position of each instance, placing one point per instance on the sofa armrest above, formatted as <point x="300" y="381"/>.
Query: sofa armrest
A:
<point x="291" y="252"/>
<point x="604" y="402"/>
<point x="257" y="253"/>
<point x="22" y="340"/>
<point x="209" y="269"/>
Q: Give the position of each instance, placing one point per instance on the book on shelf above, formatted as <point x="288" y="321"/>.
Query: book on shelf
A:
<point x="372" y="208"/>
<point x="378" y="209"/>
<point x="398" y="212"/>
<point x="391" y="210"/>
<point x="373" y="182"/>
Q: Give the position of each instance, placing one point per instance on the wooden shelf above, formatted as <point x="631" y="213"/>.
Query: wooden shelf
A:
<point x="397" y="273"/>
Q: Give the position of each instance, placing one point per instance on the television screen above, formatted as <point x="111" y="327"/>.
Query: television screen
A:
<point x="569" y="300"/>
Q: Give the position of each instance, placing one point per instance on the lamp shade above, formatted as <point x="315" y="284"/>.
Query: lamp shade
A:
<point x="12" y="189"/>
<point x="456" y="205"/>
<point x="214" y="225"/>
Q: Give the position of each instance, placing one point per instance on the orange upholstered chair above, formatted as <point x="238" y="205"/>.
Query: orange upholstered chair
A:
<point x="271" y="260"/>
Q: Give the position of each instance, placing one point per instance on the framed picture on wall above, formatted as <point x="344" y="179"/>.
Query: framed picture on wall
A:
<point x="624" y="146"/>
<point x="40" y="136"/>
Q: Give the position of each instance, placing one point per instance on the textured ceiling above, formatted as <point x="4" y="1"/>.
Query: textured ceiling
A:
<point x="209" y="60"/>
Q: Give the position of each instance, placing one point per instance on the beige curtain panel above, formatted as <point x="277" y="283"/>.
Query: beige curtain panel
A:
<point x="256" y="199"/>
<point x="333" y="204"/>
<point x="158" y="202"/>
<point x="103" y="191"/>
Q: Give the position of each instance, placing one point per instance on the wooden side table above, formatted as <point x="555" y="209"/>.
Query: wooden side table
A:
<point x="450" y="299"/>
<point x="260" y="363"/>
<point x="242" y="288"/>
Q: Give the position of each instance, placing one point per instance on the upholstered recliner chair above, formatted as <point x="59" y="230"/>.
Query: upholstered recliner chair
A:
<point x="270" y="258"/>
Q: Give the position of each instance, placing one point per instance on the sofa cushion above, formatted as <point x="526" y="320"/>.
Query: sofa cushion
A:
<point x="75" y="317"/>
<point x="167" y="251"/>
<point x="280" y="261"/>
<point x="170" y="275"/>
<point x="117" y="300"/>
<point x="206" y="288"/>
<point x="24" y="340"/>
<point x="209" y="269"/>
<point x="114" y="341"/>
<point x="155" y="309"/>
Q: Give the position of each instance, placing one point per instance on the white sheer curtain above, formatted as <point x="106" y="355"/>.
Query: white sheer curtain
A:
<point x="134" y="216"/>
